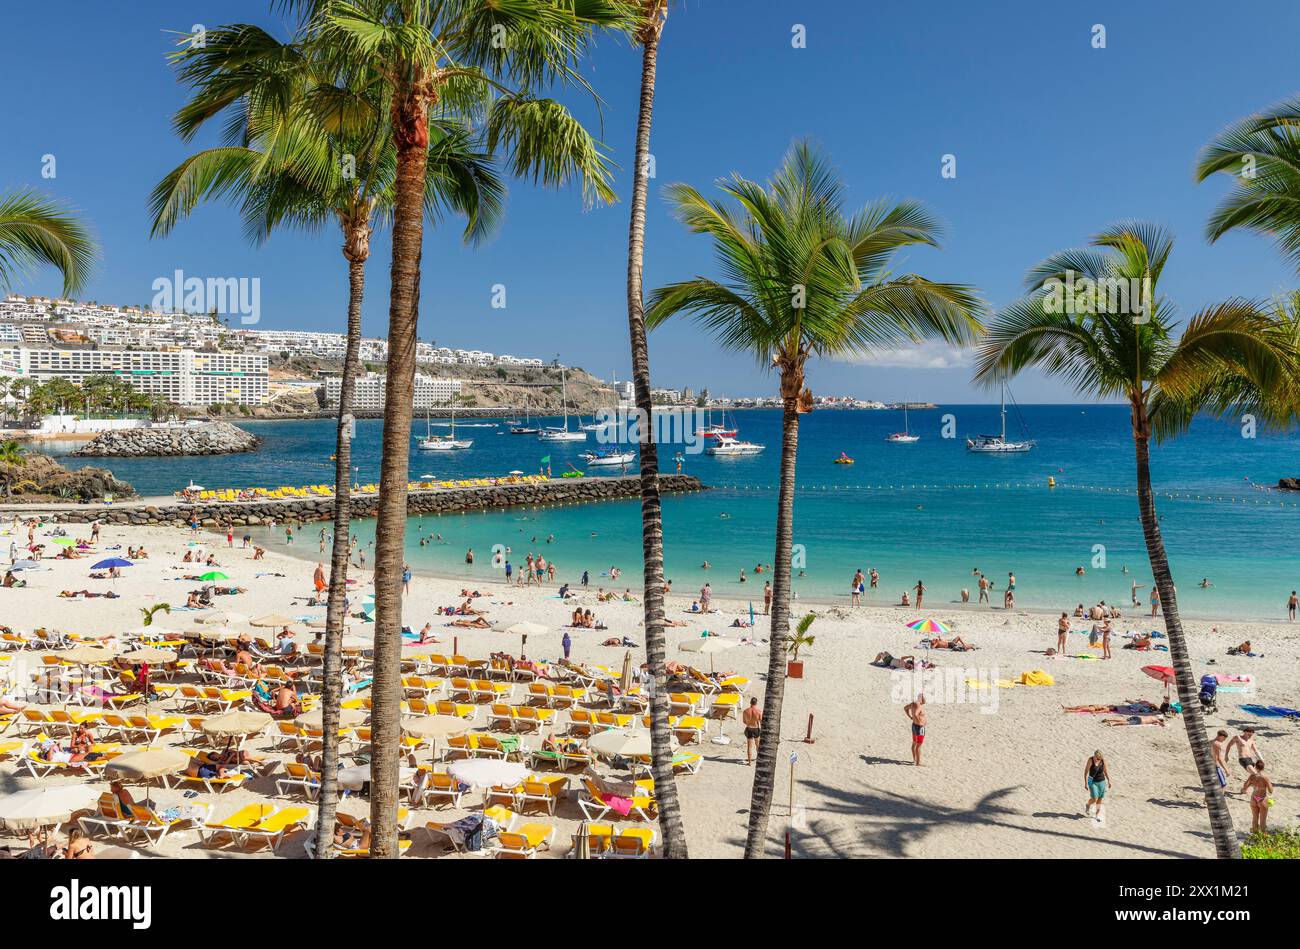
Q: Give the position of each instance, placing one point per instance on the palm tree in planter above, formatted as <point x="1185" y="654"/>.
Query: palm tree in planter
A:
<point x="310" y="149"/>
<point x="483" y="64"/>
<point x="802" y="279"/>
<point x="800" y="639"/>
<point x="1094" y="317"/>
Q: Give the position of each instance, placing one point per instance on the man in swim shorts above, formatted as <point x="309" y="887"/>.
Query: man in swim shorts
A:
<point x="1219" y="749"/>
<point x="1247" y="754"/>
<point x="915" y="712"/>
<point x="752" y="718"/>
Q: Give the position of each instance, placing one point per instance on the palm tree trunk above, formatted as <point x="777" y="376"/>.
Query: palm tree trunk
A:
<point x="332" y="690"/>
<point x="760" y="805"/>
<point x="411" y="137"/>
<point x="652" y="535"/>
<point x="1225" y="837"/>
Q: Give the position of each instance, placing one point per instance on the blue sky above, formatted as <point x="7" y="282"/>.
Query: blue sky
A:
<point x="1053" y="140"/>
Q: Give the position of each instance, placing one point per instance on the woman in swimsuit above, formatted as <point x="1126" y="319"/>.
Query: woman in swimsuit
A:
<point x="1096" y="778"/>
<point x="1261" y="798"/>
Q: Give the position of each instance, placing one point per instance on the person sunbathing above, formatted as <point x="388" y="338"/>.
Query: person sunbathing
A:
<point x="1135" y="720"/>
<point x="426" y="635"/>
<point x="192" y="602"/>
<point x="1241" y="650"/>
<point x="956" y="644"/>
<point x="198" y="768"/>
<point x="477" y="622"/>
<point x="287" y="704"/>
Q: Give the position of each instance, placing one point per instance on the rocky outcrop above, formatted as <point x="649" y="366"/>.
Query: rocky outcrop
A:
<point x="40" y="478"/>
<point x="215" y="438"/>
<point x="434" y="501"/>
<point x="1289" y="484"/>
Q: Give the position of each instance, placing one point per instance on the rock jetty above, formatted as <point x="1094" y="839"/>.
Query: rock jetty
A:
<point x="215" y="438"/>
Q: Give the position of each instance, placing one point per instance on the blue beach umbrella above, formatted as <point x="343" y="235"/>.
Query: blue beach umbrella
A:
<point x="112" y="562"/>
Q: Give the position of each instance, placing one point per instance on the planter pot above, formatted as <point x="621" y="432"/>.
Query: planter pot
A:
<point x="793" y="670"/>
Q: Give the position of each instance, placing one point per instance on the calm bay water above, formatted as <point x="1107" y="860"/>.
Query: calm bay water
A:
<point x="929" y="511"/>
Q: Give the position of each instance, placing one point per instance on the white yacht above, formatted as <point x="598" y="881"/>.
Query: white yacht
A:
<point x="608" y="458"/>
<point x="905" y="437"/>
<point x="725" y="446"/>
<point x="563" y="434"/>
<point x="431" y="442"/>
<point x="998" y="444"/>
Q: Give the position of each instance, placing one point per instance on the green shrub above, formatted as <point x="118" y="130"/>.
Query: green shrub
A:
<point x="1275" y="845"/>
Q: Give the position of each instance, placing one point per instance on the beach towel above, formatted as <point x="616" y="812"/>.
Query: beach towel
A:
<point x="1262" y="711"/>
<point x="1224" y="679"/>
<point x="1036" y="677"/>
<point x="619" y="805"/>
<point x="1283" y="710"/>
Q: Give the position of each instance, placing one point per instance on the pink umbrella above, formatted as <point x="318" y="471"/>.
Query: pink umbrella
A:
<point x="1163" y="674"/>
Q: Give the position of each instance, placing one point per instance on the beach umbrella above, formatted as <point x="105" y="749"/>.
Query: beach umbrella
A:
<point x="347" y="718"/>
<point x="710" y="645"/>
<point x="147" y="763"/>
<point x="150" y="655"/>
<point x="487" y="772"/>
<point x="213" y="575"/>
<point x="434" y="726"/>
<point x="582" y="842"/>
<point x="625" y="680"/>
<point x="110" y="563"/>
<point x="929" y="627"/>
<point x="525" y="629"/>
<point x="236" y="724"/>
<point x="627" y="744"/>
<point x="221" y="618"/>
<point x="271" y="619"/>
<point x="1163" y="674"/>
<point x="87" y="654"/>
<point x="24" y="565"/>
<point x="43" y="806"/>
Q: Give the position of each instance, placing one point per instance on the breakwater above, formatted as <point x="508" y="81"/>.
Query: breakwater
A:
<point x="180" y="513"/>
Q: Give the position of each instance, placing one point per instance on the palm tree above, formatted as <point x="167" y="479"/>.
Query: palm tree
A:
<point x="148" y="612"/>
<point x="1113" y="337"/>
<point x="476" y="62"/>
<point x="648" y="29"/>
<point x="803" y="279"/>
<point x="35" y="230"/>
<point x="1262" y="155"/>
<point x="12" y="452"/>
<point x="311" y="152"/>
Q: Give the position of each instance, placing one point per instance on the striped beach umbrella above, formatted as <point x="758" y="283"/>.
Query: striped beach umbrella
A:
<point x="928" y="626"/>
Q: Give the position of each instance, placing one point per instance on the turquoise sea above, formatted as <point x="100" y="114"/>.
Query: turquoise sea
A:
<point x="929" y="510"/>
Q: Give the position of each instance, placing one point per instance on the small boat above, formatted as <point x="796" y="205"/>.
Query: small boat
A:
<point x="563" y="434"/>
<point x="905" y="437"/>
<point x="998" y="444"/>
<point x="843" y="459"/>
<point x="523" y="428"/>
<point x="727" y="447"/>
<point x="431" y="442"/>
<point x="718" y="430"/>
<point x="608" y="458"/>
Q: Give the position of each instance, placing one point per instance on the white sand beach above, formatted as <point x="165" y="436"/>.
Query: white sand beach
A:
<point x="1003" y="770"/>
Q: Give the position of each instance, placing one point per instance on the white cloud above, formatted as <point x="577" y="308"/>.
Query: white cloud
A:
<point x="927" y="355"/>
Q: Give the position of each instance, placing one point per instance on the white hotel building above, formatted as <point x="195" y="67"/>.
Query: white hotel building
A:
<point x="183" y="376"/>
<point x="430" y="393"/>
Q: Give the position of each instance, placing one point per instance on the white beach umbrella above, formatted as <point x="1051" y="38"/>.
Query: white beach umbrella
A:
<point x="616" y="742"/>
<point x="43" y="806"/>
<point x="221" y="618"/>
<point x="486" y="772"/>
<point x="236" y="724"/>
<point x="347" y="718"/>
<point x="525" y="629"/>
<point x="271" y="620"/>
<point x="710" y="645"/>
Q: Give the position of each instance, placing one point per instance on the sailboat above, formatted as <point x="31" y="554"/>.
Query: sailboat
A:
<point x="905" y="437"/>
<point x="525" y="428"/>
<point x="563" y="434"/>
<point x="998" y="444"/>
<point x="431" y="442"/>
<point x="720" y="430"/>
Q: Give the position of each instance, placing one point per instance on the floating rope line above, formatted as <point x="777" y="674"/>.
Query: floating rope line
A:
<point x="1213" y="498"/>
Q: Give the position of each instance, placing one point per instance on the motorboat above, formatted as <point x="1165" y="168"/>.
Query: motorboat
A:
<point x="724" y="446"/>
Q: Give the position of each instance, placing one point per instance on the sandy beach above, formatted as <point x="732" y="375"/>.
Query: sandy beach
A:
<point x="1003" y="767"/>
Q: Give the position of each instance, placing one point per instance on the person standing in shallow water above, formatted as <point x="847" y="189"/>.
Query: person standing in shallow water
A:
<point x="920" y="591"/>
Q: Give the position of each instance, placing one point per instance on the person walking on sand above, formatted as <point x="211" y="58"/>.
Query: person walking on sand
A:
<point x="566" y="644"/>
<point x="406" y="579"/>
<point x="1062" y="630"/>
<point x="920" y="591"/>
<point x="1247" y="753"/>
<point x="767" y="598"/>
<point x="1291" y="605"/>
<point x="915" y="712"/>
<point x="1097" y="779"/>
<point x="706" y="597"/>
<point x="752" y="718"/>
<point x="855" y="588"/>
<point x="1155" y="601"/>
<point x="1105" y="638"/>
<point x="1219" y="748"/>
<point x="1261" y="798"/>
